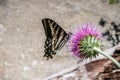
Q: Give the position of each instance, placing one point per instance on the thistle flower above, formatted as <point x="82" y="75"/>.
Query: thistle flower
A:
<point x="85" y="43"/>
<point x="83" y="40"/>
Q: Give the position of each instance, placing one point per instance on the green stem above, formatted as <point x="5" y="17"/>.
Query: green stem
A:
<point x="107" y="56"/>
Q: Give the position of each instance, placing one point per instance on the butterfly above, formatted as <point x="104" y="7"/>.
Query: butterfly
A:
<point x="56" y="37"/>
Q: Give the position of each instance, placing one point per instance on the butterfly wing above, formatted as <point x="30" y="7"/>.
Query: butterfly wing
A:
<point x="56" y="37"/>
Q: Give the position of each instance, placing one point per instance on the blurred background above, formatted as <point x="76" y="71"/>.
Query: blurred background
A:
<point x="22" y="36"/>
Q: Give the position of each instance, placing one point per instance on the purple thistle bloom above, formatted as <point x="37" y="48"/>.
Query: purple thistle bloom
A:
<point x="83" y="40"/>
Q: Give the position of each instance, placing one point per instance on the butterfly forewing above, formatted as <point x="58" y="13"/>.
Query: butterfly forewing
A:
<point x="57" y="37"/>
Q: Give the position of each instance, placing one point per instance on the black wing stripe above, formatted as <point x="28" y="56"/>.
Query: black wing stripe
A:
<point x="58" y="33"/>
<point x="62" y="41"/>
<point x="47" y="29"/>
<point x="61" y="45"/>
<point x="59" y="39"/>
<point x="55" y="27"/>
<point x="44" y="25"/>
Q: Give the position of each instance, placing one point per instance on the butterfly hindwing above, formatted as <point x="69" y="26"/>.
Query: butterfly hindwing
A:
<point x="56" y="37"/>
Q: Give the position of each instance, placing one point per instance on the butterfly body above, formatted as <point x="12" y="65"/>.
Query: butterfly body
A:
<point x="56" y="37"/>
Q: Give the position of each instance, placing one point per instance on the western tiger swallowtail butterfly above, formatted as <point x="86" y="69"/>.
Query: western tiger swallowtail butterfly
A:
<point x="56" y="37"/>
